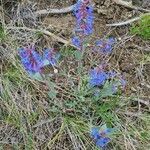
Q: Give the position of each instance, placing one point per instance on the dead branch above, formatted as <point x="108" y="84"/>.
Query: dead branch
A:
<point x="55" y="11"/>
<point x="123" y="22"/>
<point x="70" y="9"/>
<point x="65" y="42"/>
<point x="129" y="5"/>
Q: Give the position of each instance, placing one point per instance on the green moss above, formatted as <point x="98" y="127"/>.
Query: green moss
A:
<point x="143" y="27"/>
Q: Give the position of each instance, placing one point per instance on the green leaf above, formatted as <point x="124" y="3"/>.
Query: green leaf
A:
<point x="52" y="91"/>
<point x="52" y="94"/>
<point x="78" y="55"/>
<point x="36" y="76"/>
<point x="107" y="89"/>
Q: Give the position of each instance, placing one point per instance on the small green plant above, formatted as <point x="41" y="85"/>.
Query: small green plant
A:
<point x="143" y="27"/>
<point x="2" y="32"/>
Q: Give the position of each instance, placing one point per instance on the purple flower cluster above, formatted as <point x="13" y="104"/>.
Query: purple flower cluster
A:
<point x="50" y="56"/>
<point x="83" y="11"/>
<point x="30" y="59"/>
<point x="101" y="135"/>
<point x="104" y="46"/>
<point x="98" y="77"/>
<point x="33" y="62"/>
<point x="84" y="14"/>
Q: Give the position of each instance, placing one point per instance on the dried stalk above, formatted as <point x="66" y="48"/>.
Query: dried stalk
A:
<point x="55" y="11"/>
<point x="129" y="5"/>
<point x="124" y="22"/>
<point x="66" y="42"/>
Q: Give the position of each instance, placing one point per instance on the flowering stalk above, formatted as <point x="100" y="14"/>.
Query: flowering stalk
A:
<point x="104" y="46"/>
<point x="99" y="76"/>
<point x="101" y="135"/>
<point x="83" y="11"/>
<point x="33" y="62"/>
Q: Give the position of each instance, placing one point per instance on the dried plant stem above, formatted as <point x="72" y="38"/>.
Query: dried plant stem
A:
<point x="55" y="11"/>
<point x="127" y="22"/>
<point x="129" y="5"/>
<point x="124" y="22"/>
<point x="66" y="42"/>
<point x="70" y="8"/>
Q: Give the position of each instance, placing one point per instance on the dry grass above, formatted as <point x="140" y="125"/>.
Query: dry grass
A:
<point x="57" y="113"/>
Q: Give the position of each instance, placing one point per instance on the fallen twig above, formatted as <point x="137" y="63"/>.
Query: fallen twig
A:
<point x="147" y="103"/>
<point x="128" y="21"/>
<point x="123" y="22"/>
<point x="55" y="11"/>
<point x="129" y="5"/>
<point x="70" y="9"/>
<point x="66" y="42"/>
<point x="60" y="11"/>
<point x="43" y="122"/>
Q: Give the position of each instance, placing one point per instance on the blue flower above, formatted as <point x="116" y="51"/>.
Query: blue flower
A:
<point x="102" y="142"/>
<point x="33" y="62"/>
<point x="101" y="135"/>
<point x="76" y="41"/>
<point x="50" y="57"/>
<point x="105" y="46"/>
<point x="83" y="12"/>
<point x="97" y="78"/>
<point x="88" y="29"/>
<point x="23" y="53"/>
<point x="95" y="133"/>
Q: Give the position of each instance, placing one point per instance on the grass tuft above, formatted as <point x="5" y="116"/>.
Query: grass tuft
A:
<point x="143" y="27"/>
